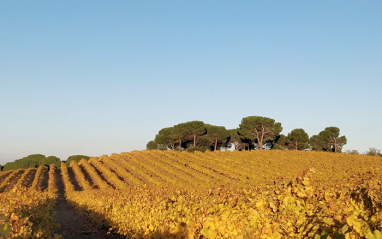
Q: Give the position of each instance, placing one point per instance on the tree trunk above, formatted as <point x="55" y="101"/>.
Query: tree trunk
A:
<point x="216" y="143"/>
<point x="261" y="138"/>
<point x="260" y="144"/>
<point x="194" y="140"/>
<point x="335" y="146"/>
<point x="180" y="144"/>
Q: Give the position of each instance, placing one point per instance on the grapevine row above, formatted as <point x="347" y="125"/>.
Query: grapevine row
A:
<point x="36" y="184"/>
<point x="121" y="171"/>
<point x="52" y="189"/>
<point x="79" y="176"/>
<point x="97" y="180"/>
<point x="65" y="178"/>
<point x="108" y="174"/>
<point x="9" y="178"/>
<point x="24" y="176"/>
<point x="125" y="161"/>
<point x="180" y="171"/>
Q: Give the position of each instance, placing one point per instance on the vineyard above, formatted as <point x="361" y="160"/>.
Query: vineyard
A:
<point x="168" y="194"/>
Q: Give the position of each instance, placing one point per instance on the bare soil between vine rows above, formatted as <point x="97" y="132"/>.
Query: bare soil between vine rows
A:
<point x="74" y="225"/>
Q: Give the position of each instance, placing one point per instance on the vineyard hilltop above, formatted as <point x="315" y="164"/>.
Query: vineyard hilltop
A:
<point x="169" y="194"/>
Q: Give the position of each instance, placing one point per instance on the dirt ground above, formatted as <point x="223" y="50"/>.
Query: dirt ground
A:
<point x="72" y="224"/>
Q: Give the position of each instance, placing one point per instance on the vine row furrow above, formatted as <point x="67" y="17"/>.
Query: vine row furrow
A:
<point x="182" y="165"/>
<point x="79" y="176"/>
<point x="179" y="176"/>
<point x="194" y="162"/>
<point x="181" y="169"/>
<point x="131" y="164"/>
<point x="128" y="177"/>
<point x="109" y="175"/>
<point x="6" y="181"/>
<point x="36" y="184"/>
<point x="4" y="175"/>
<point x="69" y="187"/>
<point x="23" y="177"/>
<point x="161" y="173"/>
<point x="96" y="178"/>
<point x="52" y="188"/>
<point x="221" y="164"/>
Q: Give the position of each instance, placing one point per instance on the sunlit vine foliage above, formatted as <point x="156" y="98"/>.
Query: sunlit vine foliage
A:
<point x="271" y="194"/>
<point x="168" y="194"/>
<point x="27" y="212"/>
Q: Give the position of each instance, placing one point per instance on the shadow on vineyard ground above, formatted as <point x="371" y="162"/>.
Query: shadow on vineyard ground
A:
<point x="29" y="179"/>
<point x="74" y="225"/>
<point x="135" y="234"/>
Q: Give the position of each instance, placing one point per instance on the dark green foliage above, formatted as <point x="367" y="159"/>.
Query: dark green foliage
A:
<point x="238" y="141"/>
<point x="259" y="130"/>
<point x="163" y="139"/>
<point x="217" y="136"/>
<point x="202" y="144"/>
<point x="328" y="140"/>
<point x="281" y="142"/>
<point x="254" y="132"/>
<point x="234" y="139"/>
<point x="151" y="145"/>
<point x="76" y="158"/>
<point x="192" y="130"/>
<point x="51" y="160"/>
<point x="190" y="136"/>
<point x="317" y="143"/>
<point x="179" y="134"/>
<point x="32" y="161"/>
<point x="298" y="139"/>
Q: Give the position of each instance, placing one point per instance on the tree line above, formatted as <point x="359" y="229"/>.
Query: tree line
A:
<point x="35" y="160"/>
<point x="253" y="133"/>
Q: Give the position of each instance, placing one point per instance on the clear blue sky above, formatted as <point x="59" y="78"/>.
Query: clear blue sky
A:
<point x="102" y="77"/>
